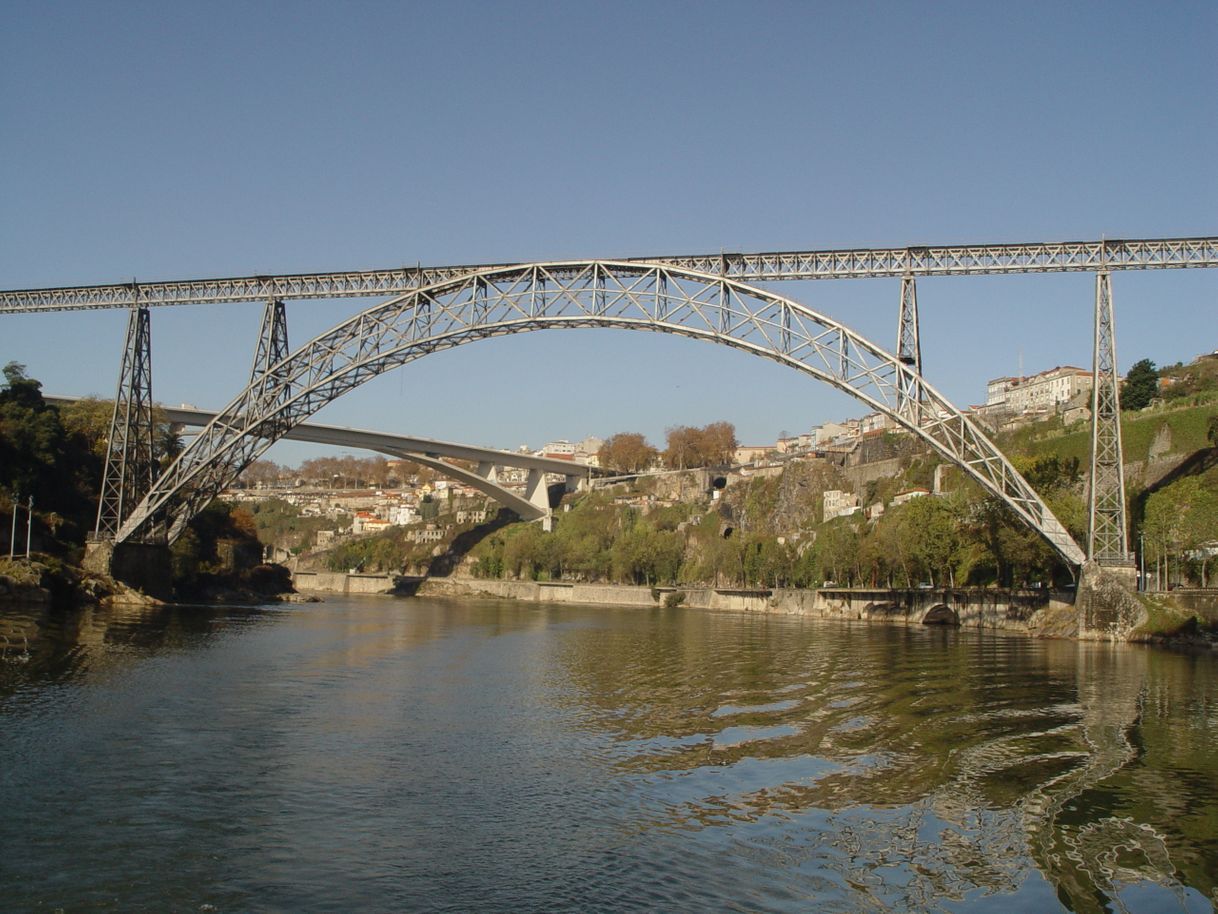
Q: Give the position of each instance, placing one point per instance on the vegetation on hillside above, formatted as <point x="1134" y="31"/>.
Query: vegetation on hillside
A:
<point x="962" y="538"/>
<point x="57" y="454"/>
<point x="1141" y="385"/>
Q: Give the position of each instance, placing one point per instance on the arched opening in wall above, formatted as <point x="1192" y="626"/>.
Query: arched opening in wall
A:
<point x="884" y="608"/>
<point x="940" y="614"/>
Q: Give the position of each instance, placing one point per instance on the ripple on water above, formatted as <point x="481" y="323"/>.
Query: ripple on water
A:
<point x="438" y="756"/>
<point x="729" y="710"/>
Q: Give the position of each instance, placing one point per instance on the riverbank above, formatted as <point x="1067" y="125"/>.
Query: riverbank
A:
<point x="1035" y="612"/>
<point x="51" y="582"/>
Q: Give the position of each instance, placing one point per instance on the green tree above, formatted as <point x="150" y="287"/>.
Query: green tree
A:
<point x="1141" y="385"/>
<point x="1181" y="523"/>
<point x="39" y="457"/>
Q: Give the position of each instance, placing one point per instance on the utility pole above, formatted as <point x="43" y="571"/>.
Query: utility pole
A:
<point x="12" y="537"/>
<point x="29" y="523"/>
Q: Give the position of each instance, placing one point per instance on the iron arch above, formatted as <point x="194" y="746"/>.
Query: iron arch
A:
<point x="538" y="296"/>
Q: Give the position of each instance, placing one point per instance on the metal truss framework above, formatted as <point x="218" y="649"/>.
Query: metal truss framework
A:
<point x="909" y="349"/>
<point x="1107" y="532"/>
<point x="621" y="295"/>
<point x="272" y="349"/>
<point x="939" y="260"/>
<point x="130" y="462"/>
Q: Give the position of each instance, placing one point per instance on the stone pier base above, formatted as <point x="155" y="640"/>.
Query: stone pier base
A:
<point x="144" y="566"/>
<point x="1107" y="602"/>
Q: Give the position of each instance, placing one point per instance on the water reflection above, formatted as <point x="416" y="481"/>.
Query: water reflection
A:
<point x="435" y="755"/>
<point x="944" y="766"/>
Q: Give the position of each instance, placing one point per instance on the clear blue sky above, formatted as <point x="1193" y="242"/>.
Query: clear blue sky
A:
<point x="167" y="140"/>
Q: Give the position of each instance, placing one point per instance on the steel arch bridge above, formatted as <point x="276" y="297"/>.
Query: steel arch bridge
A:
<point x="595" y="293"/>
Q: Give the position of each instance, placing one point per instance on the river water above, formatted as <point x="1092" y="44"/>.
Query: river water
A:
<point x="433" y="755"/>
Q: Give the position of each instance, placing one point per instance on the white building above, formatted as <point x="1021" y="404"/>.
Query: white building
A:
<point x="874" y="422"/>
<point x="996" y="390"/>
<point x="429" y="534"/>
<point x="1048" y="390"/>
<point x="561" y="448"/>
<point x="909" y="495"/>
<point x="838" y="503"/>
<point x="401" y="515"/>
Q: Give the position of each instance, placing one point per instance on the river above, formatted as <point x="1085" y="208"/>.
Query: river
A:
<point x="435" y="755"/>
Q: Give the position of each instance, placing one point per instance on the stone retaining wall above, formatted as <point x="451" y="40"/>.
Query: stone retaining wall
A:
<point x="341" y="582"/>
<point x="970" y="608"/>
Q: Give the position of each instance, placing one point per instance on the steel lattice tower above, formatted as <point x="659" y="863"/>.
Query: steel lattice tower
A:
<point x="1107" y="534"/>
<point x="909" y="349"/>
<point x="272" y="348"/>
<point x="130" y="461"/>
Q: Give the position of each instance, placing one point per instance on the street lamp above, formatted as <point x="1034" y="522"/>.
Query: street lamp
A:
<point x="1141" y="561"/>
<point x="12" y="537"/>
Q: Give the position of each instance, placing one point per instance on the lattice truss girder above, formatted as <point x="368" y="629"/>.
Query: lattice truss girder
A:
<point x="940" y="260"/>
<point x="584" y="294"/>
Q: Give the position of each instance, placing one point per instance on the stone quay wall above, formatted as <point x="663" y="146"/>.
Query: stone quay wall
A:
<point x="1023" y="611"/>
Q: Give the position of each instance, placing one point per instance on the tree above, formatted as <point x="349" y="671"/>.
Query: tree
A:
<point x="711" y="445"/>
<point x="719" y="443"/>
<point x="1182" y="523"/>
<point x="627" y="452"/>
<point x="1141" y="385"/>
<point x="682" y="450"/>
<point x="38" y="456"/>
<point x="1211" y="431"/>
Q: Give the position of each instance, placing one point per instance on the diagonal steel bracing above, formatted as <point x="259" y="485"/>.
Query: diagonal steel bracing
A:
<point x="1107" y="532"/>
<point x="130" y="462"/>
<point x="624" y="295"/>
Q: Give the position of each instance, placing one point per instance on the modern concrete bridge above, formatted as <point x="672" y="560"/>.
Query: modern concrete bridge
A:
<point x="534" y="505"/>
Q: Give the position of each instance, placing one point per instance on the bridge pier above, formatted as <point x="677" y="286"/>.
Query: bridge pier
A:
<point x="1106" y="602"/>
<point x="145" y="566"/>
<point x="909" y="348"/>
<point x="1107" y="532"/>
<point x="130" y="457"/>
<point x="538" y="494"/>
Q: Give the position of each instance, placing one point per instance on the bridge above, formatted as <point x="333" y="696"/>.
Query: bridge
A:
<point x="708" y="297"/>
<point x="484" y="476"/>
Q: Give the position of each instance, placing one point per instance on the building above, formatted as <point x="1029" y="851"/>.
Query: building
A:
<point x="827" y="433"/>
<point x="909" y="495"/>
<point x="751" y="453"/>
<point x="874" y="422"/>
<point x="1042" y="392"/>
<point x="589" y="447"/>
<point x="429" y="534"/>
<point x="838" y="503"/>
<point x="996" y="391"/>
<point x="366" y="522"/>
<point x="401" y="515"/>
<point x="558" y="450"/>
